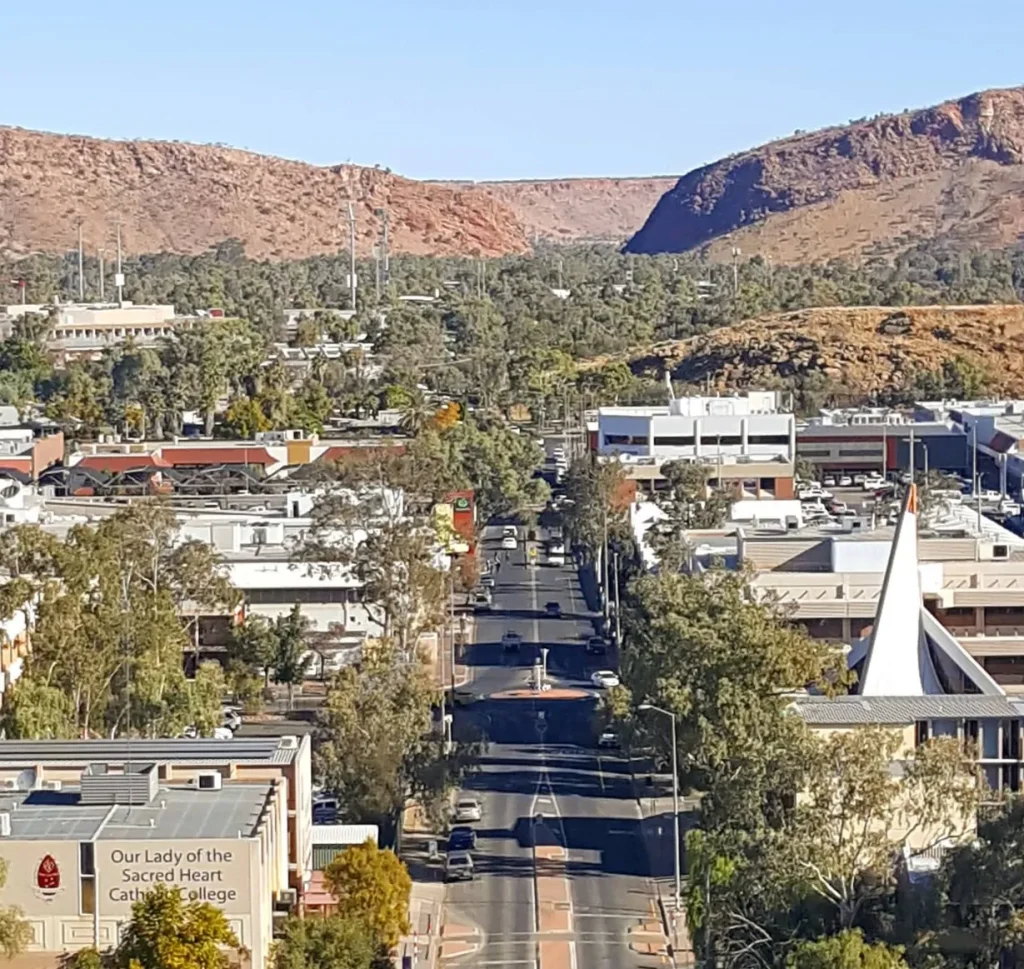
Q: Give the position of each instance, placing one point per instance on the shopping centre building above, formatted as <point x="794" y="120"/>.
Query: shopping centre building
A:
<point x="87" y="827"/>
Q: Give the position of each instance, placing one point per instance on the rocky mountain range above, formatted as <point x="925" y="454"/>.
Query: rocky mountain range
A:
<point x="175" y="197"/>
<point x="871" y="187"/>
<point x="578" y="209"/>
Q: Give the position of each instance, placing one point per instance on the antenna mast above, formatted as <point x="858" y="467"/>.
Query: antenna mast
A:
<point x="352" y="254"/>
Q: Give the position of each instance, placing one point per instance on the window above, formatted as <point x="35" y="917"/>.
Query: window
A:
<point x="768" y="439"/>
<point x="858" y="452"/>
<point x="612" y="439"/>
<point x="721" y="440"/>
<point x="920" y="732"/>
<point x="674" y="441"/>
<point x="813" y="452"/>
<point x="87" y="881"/>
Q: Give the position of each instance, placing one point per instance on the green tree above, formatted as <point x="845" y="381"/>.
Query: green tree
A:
<point x="15" y="932"/>
<point x="376" y="746"/>
<point x="334" y="942"/>
<point x="254" y="645"/>
<point x="290" y="658"/>
<point x="705" y="649"/>
<point x="372" y="885"/>
<point x="165" y="932"/>
<point x="244" y="418"/>
<point x="847" y="950"/>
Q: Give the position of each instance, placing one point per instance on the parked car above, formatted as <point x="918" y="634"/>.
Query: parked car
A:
<point x="829" y="481"/>
<point x="608" y="740"/>
<point x="464" y="697"/>
<point x="845" y="481"/>
<point x="1009" y="508"/>
<point x="596" y="646"/>
<point x="325" y="810"/>
<point x="458" y="866"/>
<point x="461" y="838"/>
<point x="553" y="609"/>
<point x="509" y="542"/>
<point x="814" y="492"/>
<point x="859" y="479"/>
<point x="482" y="601"/>
<point x="467" y="808"/>
<point x="511" y="642"/>
<point x="873" y="482"/>
<point x="509" y="531"/>
<point x="231" y="718"/>
<point x="603" y="679"/>
<point x="487" y="580"/>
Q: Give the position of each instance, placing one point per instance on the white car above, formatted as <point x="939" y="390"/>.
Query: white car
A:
<point x="873" y="482"/>
<point x="859" y="479"/>
<point x="1009" y="508"/>
<point x="603" y="679"/>
<point x="509" y="542"/>
<point x="845" y="481"/>
<point x="231" y="718"/>
<point x="809" y="494"/>
<point x="556" y="554"/>
<point x="467" y="809"/>
<point x="829" y="481"/>
<point x="510" y="530"/>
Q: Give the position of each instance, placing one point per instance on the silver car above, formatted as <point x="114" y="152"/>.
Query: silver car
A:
<point x="458" y="866"/>
<point x="467" y="809"/>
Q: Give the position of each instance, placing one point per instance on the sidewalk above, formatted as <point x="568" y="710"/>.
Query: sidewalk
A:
<point x="657" y="825"/>
<point x="420" y="948"/>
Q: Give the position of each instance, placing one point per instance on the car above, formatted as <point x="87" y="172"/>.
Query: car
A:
<point x="325" y="810"/>
<point x="873" y="482"/>
<point x="608" y="740"/>
<point x="464" y="697"/>
<point x="828" y="481"/>
<point x="603" y="679"/>
<point x="511" y="642"/>
<point x="487" y="580"/>
<point x="231" y="719"/>
<point x="859" y="479"/>
<point x="458" y="866"/>
<point x="838" y="507"/>
<point x="509" y="542"/>
<point x="596" y="646"/>
<point x="845" y="481"/>
<point x="1009" y="508"/>
<point x="467" y="808"/>
<point x="553" y="609"/>
<point x="813" y="493"/>
<point x="509" y="531"/>
<point x="556" y="553"/>
<point x="482" y="601"/>
<point x="461" y="838"/>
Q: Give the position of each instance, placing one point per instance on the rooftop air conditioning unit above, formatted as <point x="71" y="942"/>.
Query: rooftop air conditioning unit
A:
<point x="291" y="742"/>
<point x="51" y="786"/>
<point x="5" y="824"/>
<point x="9" y="784"/>
<point x="211" y="781"/>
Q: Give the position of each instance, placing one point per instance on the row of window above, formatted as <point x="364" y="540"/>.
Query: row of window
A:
<point x="273" y="597"/>
<point x="611" y="440"/>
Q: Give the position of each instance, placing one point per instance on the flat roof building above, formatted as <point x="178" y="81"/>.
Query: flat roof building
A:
<point x="80" y="853"/>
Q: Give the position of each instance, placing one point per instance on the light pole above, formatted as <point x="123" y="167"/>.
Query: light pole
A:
<point x="675" y="794"/>
<point x="543" y="666"/>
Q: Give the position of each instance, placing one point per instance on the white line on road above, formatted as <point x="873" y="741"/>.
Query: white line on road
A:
<point x="600" y="774"/>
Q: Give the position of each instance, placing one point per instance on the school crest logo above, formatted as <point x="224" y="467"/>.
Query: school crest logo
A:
<point x="48" y="885"/>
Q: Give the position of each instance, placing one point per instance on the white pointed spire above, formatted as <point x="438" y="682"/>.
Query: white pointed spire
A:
<point x="897" y="661"/>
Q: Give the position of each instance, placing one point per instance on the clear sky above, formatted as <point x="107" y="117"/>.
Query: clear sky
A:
<point x="493" y="88"/>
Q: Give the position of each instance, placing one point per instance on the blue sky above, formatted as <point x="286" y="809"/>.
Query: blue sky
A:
<point x="525" y="89"/>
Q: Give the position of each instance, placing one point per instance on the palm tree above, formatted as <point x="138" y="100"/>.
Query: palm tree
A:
<point x="417" y="412"/>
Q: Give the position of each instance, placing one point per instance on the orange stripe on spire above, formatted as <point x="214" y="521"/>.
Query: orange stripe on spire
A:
<point x="912" y="499"/>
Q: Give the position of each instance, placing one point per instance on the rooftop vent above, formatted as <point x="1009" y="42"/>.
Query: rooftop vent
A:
<point x="119" y="784"/>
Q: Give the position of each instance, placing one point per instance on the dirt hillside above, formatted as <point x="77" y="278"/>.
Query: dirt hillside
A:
<point x="184" y="198"/>
<point x="871" y="187"/>
<point x="578" y="209"/>
<point x="866" y="349"/>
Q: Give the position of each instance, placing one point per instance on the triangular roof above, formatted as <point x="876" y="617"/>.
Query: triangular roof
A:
<point x="897" y="661"/>
<point x="898" y="657"/>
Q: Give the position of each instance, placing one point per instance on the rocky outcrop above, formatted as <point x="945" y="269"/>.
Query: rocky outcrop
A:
<point x="869" y="186"/>
<point x="862" y="350"/>
<point x="578" y="209"/>
<point x="184" y="198"/>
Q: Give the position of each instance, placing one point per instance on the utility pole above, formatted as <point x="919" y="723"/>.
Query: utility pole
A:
<point x="560" y="274"/>
<point x="81" y="266"/>
<point x="102" y="253"/>
<point x="385" y="256"/>
<point x="735" y="271"/>
<point x="376" y="270"/>
<point x="604" y="560"/>
<point x="352" y="254"/>
<point x="618" y="620"/>
<point x="119" y="277"/>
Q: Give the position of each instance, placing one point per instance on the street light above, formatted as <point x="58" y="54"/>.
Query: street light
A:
<point x="675" y="793"/>
<point x="543" y="666"/>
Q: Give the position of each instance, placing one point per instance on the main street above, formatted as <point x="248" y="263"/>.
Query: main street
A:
<point x="544" y="781"/>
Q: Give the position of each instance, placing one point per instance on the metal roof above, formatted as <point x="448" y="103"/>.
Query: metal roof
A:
<point x="240" y="750"/>
<point x="822" y="711"/>
<point x="175" y="813"/>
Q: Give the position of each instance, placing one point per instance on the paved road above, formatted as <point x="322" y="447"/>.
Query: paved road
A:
<point x="542" y="761"/>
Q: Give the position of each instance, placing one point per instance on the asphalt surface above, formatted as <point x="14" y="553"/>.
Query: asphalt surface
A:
<point x="543" y="761"/>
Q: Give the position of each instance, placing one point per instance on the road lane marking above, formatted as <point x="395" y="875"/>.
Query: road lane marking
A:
<point x="600" y="774"/>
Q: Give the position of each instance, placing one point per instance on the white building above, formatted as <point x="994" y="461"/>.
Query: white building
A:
<point x="743" y="441"/>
